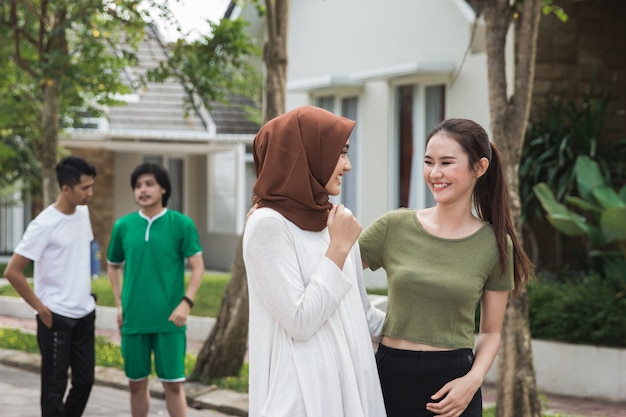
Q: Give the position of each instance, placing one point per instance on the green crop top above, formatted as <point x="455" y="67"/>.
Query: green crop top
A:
<point x="434" y="284"/>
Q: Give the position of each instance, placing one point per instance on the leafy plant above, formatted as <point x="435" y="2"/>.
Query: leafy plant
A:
<point x="564" y="129"/>
<point x="603" y="217"/>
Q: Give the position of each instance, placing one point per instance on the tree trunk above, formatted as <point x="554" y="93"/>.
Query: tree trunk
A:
<point x="517" y="390"/>
<point x="275" y="58"/>
<point x="47" y="147"/>
<point x="224" y="350"/>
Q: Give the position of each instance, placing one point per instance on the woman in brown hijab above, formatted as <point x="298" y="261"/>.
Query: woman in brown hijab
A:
<point x="311" y="324"/>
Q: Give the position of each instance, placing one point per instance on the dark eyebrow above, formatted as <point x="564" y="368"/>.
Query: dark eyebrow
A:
<point x="442" y="158"/>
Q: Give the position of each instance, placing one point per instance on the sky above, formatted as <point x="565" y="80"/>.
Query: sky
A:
<point x="193" y="14"/>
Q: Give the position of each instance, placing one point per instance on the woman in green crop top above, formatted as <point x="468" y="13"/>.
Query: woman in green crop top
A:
<point x="441" y="262"/>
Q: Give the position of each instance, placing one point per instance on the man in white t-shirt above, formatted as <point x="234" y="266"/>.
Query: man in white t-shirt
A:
<point x="58" y="242"/>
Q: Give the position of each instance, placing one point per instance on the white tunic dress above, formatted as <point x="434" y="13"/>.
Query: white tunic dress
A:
<point x="311" y="325"/>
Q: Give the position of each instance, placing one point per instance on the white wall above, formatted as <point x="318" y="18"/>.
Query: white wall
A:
<point x="376" y="46"/>
<point x="337" y="37"/>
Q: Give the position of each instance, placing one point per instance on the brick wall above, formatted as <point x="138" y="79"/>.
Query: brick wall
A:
<point x="589" y="48"/>
<point x="101" y="206"/>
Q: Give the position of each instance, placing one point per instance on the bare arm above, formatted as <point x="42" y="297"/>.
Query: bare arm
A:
<point x="180" y="314"/>
<point x="115" y="278"/>
<point x="14" y="273"/>
<point x="459" y="392"/>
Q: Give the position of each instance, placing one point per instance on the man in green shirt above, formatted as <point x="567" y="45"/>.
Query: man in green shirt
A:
<point x="152" y="245"/>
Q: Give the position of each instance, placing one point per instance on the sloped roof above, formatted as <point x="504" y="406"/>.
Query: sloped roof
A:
<point x="156" y="110"/>
<point x="157" y="106"/>
<point x="231" y="118"/>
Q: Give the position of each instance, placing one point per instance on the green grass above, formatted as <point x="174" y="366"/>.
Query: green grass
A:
<point x="108" y="354"/>
<point x="206" y="304"/>
<point x="28" y="271"/>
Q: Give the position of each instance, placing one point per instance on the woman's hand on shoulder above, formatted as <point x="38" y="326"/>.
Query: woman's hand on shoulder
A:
<point x="342" y="225"/>
<point x="344" y="230"/>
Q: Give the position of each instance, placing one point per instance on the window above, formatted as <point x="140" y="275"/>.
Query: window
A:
<point x="347" y="107"/>
<point x="419" y="110"/>
<point x="222" y="192"/>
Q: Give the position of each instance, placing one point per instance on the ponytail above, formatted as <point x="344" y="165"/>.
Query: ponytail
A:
<point x="491" y="195"/>
<point x="491" y="198"/>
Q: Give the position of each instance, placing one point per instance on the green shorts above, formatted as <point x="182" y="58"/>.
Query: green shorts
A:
<point x="169" y="355"/>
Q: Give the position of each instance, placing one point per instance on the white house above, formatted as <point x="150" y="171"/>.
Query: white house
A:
<point x="204" y="151"/>
<point x="397" y="67"/>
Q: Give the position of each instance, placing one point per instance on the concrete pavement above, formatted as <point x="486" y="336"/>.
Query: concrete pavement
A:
<point x="20" y="398"/>
<point x="224" y="401"/>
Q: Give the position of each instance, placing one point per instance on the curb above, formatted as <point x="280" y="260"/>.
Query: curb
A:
<point x="199" y="396"/>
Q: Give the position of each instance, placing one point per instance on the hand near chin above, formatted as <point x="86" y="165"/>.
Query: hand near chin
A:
<point x="343" y="227"/>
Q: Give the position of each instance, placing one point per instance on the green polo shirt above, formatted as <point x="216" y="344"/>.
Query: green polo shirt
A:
<point x="154" y="253"/>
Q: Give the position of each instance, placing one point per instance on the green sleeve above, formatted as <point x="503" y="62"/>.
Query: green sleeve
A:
<point x="372" y="242"/>
<point x="498" y="281"/>
<point x="115" y="252"/>
<point x="191" y="241"/>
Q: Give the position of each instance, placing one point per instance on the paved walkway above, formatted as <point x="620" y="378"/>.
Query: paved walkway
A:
<point x="20" y="398"/>
<point x="206" y="397"/>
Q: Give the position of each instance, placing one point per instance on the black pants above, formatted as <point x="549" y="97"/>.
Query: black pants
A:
<point x="409" y="378"/>
<point x="69" y="344"/>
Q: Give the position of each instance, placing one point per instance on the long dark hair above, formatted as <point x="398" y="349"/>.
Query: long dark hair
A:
<point x="491" y="195"/>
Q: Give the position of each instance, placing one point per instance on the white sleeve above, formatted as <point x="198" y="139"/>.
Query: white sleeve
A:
<point x="275" y="277"/>
<point x="33" y="241"/>
<point x="374" y="316"/>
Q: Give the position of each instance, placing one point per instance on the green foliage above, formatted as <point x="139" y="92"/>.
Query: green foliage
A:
<point x="19" y="169"/>
<point x="603" y="217"/>
<point x="18" y="340"/>
<point x="564" y="129"/>
<point x="550" y="8"/>
<point x="215" y="66"/>
<point x="80" y="48"/>
<point x="588" y="310"/>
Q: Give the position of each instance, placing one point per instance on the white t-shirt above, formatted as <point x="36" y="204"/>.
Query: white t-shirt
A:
<point x="59" y="245"/>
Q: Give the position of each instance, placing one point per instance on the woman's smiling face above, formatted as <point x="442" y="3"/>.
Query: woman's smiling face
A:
<point x="447" y="171"/>
<point x="333" y="186"/>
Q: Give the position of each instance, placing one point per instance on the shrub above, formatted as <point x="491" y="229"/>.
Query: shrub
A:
<point x="585" y="310"/>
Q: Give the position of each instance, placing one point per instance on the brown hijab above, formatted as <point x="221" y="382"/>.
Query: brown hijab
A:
<point x="295" y="155"/>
